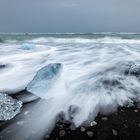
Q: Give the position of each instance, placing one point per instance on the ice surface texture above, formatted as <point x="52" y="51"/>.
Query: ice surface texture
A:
<point x="44" y="79"/>
<point x="9" y="107"/>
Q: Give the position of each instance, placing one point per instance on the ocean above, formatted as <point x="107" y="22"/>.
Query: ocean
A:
<point x="100" y="72"/>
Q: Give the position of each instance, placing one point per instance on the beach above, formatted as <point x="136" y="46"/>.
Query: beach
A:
<point x="70" y="86"/>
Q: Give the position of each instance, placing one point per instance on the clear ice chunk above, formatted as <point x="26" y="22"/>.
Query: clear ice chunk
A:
<point x="44" y="80"/>
<point x="9" y="107"/>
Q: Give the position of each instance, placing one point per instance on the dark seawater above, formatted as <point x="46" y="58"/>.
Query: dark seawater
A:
<point x="101" y="71"/>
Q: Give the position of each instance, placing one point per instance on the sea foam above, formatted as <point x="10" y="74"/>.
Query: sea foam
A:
<point x="98" y="76"/>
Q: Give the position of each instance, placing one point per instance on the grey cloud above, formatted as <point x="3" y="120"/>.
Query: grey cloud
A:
<point x="69" y="15"/>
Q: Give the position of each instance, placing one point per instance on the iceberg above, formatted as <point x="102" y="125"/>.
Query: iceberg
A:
<point x="44" y="80"/>
<point x="27" y="46"/>
<point x="9" y="107"/>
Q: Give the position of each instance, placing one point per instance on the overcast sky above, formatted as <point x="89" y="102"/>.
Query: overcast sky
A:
<point x="69" y="16"/>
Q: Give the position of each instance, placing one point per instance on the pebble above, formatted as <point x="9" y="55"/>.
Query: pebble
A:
<point x="72" y="127"/>
<point x="90" y="134"/>
<point x="104" y="118"/>
<point x="83" y="129"/>
<point x="114" y="132"/>
<point x="62" y="133"/>
<point x="93" y="123"/>
<point x="135" y="110"/>
<point x="125" y="126"/>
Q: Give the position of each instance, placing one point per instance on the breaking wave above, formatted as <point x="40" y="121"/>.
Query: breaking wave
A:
<point x="98" y="75"/>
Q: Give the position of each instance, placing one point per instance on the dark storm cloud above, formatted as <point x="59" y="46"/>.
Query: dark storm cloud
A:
<point x="69" y="15"/>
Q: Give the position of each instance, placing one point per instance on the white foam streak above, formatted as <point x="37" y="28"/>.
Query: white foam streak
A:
<point x="105" y="40"/>
<point x="85" y="86"/>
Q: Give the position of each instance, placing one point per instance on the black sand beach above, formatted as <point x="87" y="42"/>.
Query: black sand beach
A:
<point x="121" y="125"/>
<point x="79" y="75"/>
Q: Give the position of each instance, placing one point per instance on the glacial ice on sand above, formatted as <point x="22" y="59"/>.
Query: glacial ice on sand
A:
<point x="44" y="80"/>
<point x="9" y="107"/>
<point x="99" y="74"/>
<point x="27" y="46"/>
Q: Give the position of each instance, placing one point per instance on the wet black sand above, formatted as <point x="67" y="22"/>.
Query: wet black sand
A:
<point x="121" y="125"/>
<point x="124" y="124"/>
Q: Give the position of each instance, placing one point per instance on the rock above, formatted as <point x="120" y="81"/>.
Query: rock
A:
<point x="104" y="118"/>
<point x="9" y="107"/>
<point x="60" y="125"/>
<point x="44" y="80"/>
<point x="133" y="70"/>
<point x="125" y="126"/>
<point x="129" y="104"/>
<point x="72" y="111"/>
<point x="136" y="111"/>
<point x="61" y="117"/>
<point x="2" y="66"/>
<point x="83" y="129"/>
<point x="62" y="133"/>
<point x="72" y="127"/>
<point x="114" y="132"/>
<point x="93" y="123"/>
<point x="90" y="134"/>
<point x="111" y="82"/>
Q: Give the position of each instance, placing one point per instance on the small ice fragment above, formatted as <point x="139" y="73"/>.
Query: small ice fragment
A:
<point x="27" y="46"/>
<point x="9" y="107"/>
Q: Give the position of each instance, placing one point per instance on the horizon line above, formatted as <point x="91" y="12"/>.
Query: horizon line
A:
<point x="36" y="33"/>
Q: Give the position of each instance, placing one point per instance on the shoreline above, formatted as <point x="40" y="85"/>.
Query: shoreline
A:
<point x="124" y="124"/>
